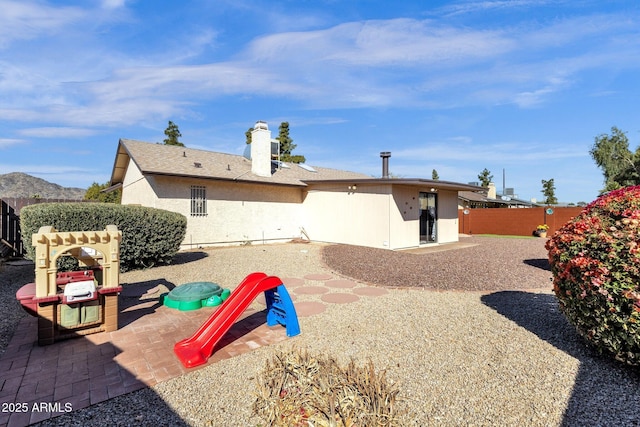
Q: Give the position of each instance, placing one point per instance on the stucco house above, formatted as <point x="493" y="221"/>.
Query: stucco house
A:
<point x="232" y="199"/>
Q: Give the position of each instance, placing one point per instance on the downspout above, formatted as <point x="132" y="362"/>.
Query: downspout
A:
<point x="389" y="216"/>
<point x="385" y="175"/>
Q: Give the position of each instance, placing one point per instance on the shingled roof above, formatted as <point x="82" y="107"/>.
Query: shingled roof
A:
<point x="169" y="160"/>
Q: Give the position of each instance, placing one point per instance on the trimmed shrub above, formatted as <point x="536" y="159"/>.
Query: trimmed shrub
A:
<point x="595" y="260"/>
<point x="297" y="388"/>
<point x="149" y="236"/>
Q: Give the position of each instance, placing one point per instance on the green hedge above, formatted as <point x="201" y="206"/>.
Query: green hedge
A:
<point x="149" y="236"/>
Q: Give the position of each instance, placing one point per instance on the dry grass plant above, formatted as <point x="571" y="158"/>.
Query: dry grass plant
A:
<point x="299" y="389"/>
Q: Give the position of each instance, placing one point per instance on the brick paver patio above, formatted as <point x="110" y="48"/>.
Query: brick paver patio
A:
<point x="76" y="373"/>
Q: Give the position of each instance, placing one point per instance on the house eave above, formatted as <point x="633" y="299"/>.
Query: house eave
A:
<point x="216" y="178"/>
<point x="414" y="182"/>
<point x="120" y="164"/>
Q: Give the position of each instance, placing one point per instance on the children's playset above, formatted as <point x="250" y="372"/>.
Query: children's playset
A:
<point x="195" y="295"/>
<point x="197" y="349"/>
<point x="76" y="303"/>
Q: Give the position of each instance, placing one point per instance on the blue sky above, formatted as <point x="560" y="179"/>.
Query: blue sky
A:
<point x="520" y="86"/>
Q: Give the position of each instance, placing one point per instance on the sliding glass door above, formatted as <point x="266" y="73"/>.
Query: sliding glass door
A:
<point x="428" y="217"/>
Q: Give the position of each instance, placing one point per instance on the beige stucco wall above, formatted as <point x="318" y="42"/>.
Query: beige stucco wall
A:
<point x="447" y="216"/>
<point x="405" y="228"/>
<point x="335" y="214"/>
<point x="135" y="189"/>
<point x="240" y="212"/>
<point x="236" y="212"/>
<point x="381" y="216"/>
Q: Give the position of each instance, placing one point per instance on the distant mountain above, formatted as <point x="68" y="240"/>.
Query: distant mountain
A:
<point x="18" y="184"/>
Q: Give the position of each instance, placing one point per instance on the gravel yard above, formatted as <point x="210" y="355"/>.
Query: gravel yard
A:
<point x="472" y="335"/>
<point x="482" y="264"/>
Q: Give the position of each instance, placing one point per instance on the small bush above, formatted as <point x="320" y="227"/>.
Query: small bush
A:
<point x="299" y="389"/>
<point x="595" y="260"/>
<point x="149" y="236"/>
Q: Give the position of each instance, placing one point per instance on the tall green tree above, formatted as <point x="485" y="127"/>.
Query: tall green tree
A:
<point x="549" y="192"/>
<point x="485" y="177"/>
<point x="434" y="175"/>
<point x="173" y="135"/>
<point x="287" y="145"/>
<point x="94" y="192"/>
<point x="248" y="135"/>
<point x="619" y="165"/>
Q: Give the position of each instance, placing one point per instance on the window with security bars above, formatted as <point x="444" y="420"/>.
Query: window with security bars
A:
<point x="198" y="200"/>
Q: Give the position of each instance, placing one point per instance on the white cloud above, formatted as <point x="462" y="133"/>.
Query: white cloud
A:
<point x="57" y="132"/>
<point x="7" y="142"/>
<point x="532" y="98"/>
<point x="312" y="121"/>
<point x="493" y="5"/>
<point x="113" y="4"/>
<point x="380" y="63"/>
<point x="409" y="43"/>
<point x="45" y="169"/>
<point x="516" y="153"/>
<point x="24" y="19"/>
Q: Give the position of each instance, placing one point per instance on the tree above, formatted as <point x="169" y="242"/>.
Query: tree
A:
<point x="619" y="165"/>
<point x="173" y="133"/>
<point x="434" y="175"/>
<point x="485" y="177"/>
<point x="287" y="145"/>
<point x="94" y="192"/>
<point x="549" y="192"/>
<point x="248" y="135"/>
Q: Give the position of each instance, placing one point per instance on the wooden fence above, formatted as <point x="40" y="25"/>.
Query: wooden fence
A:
<point x="11" y="243"/>
<point x="10" y="238"/>
<point x="513" y="222"/>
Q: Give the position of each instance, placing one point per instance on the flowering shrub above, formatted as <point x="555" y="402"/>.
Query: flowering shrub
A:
<point x="595" y="260"/>
<point x="543" y="227"/>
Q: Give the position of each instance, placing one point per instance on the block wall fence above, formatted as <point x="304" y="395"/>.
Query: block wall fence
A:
<point x="513" y="222"/>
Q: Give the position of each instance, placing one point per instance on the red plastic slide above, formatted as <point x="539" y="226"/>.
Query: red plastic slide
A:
<point x="197" y="349"/>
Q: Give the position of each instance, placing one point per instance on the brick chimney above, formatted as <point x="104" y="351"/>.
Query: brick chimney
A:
<point x="261" y="150"/>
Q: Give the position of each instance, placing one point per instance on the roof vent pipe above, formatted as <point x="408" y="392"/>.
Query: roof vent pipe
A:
<point x="385" y="163"/>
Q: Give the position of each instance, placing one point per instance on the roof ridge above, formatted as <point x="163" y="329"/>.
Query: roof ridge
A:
<point x="172" y="147"/>
<point x="166" y="160"/>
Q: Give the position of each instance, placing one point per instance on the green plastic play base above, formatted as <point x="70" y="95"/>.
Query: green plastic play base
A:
<point x="195" y="295"/>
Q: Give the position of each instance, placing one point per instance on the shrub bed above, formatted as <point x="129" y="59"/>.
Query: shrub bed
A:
<point x="595" y="261"/>
<point x="297" y="388"/>
<point x="149" y="236"/>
